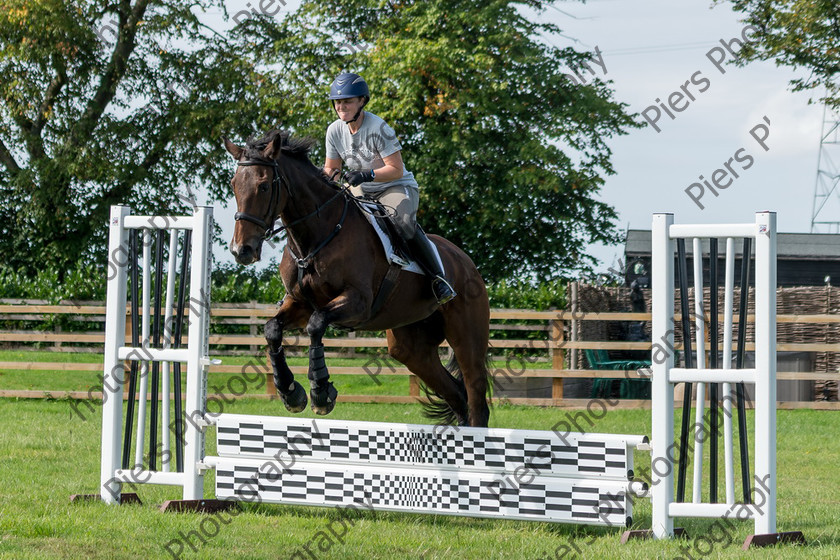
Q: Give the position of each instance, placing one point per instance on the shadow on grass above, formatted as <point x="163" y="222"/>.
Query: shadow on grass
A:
<point x="566" y="530"/>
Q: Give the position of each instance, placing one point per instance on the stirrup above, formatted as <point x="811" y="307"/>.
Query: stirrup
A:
<point x="443" y="290"/>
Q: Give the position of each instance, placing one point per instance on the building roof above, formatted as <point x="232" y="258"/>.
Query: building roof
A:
<point x="789" y="246"/>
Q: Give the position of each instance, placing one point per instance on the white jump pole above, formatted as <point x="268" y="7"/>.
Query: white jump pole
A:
<point x="765" y="365"/>
<point x="728" y="307"/>
<point x="144" y="343"/>
<point x="166" y="402"/>
<point x="700" y="345"/>
<point x="198" y="352"/>
<point x="662" y="391"/>
<point x="114" y="371"/>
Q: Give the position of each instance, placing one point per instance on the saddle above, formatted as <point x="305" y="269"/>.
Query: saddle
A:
<point x="396" y="248"/>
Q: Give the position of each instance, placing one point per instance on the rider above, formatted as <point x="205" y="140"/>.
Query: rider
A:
<point x="366" y="145"/>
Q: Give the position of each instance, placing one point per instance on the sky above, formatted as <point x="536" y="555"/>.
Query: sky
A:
<point x="649" y="49"/>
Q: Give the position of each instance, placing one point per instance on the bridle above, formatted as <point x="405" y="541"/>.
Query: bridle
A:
<point x="277" y="183"/>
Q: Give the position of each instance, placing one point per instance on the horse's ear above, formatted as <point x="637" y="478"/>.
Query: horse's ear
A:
<point x="233" y="149"/>
<point x="272" y="150"/>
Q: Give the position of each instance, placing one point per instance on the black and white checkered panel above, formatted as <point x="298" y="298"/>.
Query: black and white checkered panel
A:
<point x="483" y="494"/>
<point x="585" y="455"/>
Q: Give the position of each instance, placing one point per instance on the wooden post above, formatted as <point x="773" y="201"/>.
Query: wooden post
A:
<point x="253" y="325"/>
<point x="351" y="350"/>
<point x="558" y="357"/>
<point x="413" y="386"/>
<point x="269" y="379"/>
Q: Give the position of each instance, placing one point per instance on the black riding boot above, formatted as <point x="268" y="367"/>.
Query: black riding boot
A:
<point x="423" y="250"/>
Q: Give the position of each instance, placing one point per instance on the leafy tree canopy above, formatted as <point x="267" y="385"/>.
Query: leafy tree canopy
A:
<point x="797" y="33"/>
<point x="126" y="102"/>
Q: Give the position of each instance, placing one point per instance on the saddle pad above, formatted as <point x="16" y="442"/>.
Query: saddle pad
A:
<point x="393" y="258"/>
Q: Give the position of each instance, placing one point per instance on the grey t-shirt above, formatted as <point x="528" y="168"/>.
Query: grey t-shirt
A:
<point x="365" y="149"/>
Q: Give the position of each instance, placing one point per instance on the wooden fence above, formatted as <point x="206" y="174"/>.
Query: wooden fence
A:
<point x="551" y="346"/>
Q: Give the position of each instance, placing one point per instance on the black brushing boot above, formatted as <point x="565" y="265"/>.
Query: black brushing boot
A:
<point x="321" y="391"/>
<point x="291" y="392"/>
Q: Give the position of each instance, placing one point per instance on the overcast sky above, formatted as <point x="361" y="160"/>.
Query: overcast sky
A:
<point x="649" y="49"/>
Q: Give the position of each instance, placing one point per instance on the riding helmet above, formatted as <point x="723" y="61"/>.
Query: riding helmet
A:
<point x="348" y="85"/>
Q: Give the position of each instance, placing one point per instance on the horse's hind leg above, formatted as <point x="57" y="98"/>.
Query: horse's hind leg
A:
<point x="467" y="331"/>
<point x="416" y="346"/>
<point x="473" y="366"/>
<point x="291" y="315"/>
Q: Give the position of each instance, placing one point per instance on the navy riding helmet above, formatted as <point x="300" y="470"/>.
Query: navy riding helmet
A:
<point x="346" y="86"/>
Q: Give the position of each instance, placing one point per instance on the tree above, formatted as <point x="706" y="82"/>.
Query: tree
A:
<point x="797" y="33"/>
<point x="482" y="106"/>
<point x="114" y="102"/>
<point x="126" y="101"/>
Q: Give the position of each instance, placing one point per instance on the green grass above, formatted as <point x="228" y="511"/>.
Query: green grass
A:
<point x="49" y="453"/>
<point x="380" y="383"/>
<point x="37" y="380"/>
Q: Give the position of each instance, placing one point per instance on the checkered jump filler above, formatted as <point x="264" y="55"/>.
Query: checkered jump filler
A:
<point x="480" y="472"/>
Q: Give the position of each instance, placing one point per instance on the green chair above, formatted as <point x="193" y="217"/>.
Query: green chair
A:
<point x="628" y="388"/>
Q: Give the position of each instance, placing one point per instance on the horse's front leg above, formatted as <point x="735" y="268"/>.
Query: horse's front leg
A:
<point x="292" y="314"/>
<point x="347" y="309"/>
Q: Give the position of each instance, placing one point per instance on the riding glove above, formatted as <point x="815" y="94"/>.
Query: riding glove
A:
<point x="358" y="177"/>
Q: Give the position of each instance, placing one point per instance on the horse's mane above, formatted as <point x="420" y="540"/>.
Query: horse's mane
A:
<point x="296" y="147"/>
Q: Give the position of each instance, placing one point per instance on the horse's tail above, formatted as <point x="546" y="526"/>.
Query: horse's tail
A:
<point x="436" y="408"/>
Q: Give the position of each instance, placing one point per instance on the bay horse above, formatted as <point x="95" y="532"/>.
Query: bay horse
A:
<point x="333" y="266"/>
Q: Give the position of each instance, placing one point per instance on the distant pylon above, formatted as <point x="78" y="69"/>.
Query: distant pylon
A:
<point x="825" y="211"/>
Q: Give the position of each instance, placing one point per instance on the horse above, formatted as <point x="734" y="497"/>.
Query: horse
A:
<point x="333" y="268"/>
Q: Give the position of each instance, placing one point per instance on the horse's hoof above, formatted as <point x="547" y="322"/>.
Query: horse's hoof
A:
<point x="295" y="400"/>
<point x="323" y="401"/>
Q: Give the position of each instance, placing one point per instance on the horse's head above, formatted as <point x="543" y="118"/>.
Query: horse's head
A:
<point x="258" y="187"/>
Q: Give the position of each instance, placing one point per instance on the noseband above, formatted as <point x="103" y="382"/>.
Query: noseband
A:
<point x="276" y="185"/>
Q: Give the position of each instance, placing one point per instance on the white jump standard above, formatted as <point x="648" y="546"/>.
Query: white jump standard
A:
<point x="666" y="374"/>
<point x="113" y="472"/>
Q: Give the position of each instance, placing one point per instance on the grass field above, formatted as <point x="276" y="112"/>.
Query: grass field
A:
<point x="49" y="453"/>
<point x="21" y="379"/>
